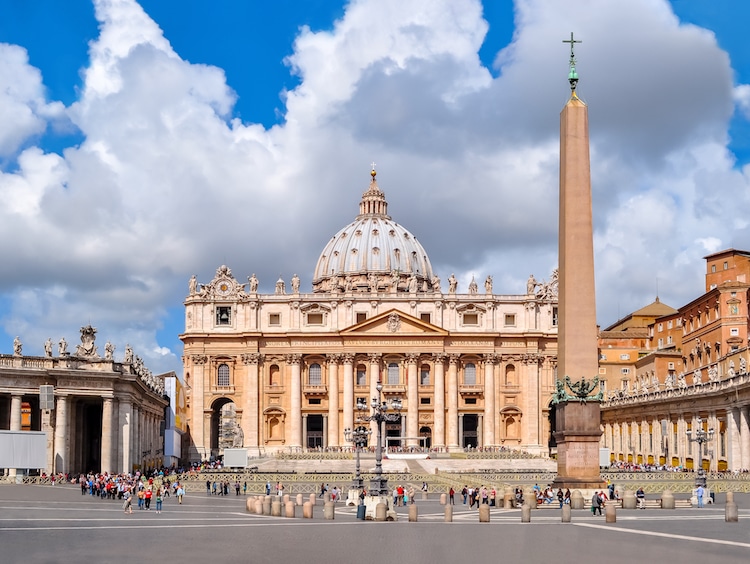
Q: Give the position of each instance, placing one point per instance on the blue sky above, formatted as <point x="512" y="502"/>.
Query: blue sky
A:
<point x="145" y="142"/>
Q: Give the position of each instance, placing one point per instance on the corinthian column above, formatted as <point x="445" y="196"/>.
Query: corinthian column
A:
<point x="251" y="406"/>
<point x="453" y="402"/>
<point x="295" y="400"/>
<point x="438" y="439"/>
<point x="333" y="400"/>
<point x="348" y="391"/>
<point x="61" y="434"/>
<point x="489" y="400"/>
<point x="412" y="398"/>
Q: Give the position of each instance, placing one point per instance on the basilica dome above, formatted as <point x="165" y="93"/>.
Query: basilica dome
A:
<point x="373" y="253"/>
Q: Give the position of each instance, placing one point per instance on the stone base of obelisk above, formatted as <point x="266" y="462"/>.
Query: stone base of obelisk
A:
<point x="577" y="434"/>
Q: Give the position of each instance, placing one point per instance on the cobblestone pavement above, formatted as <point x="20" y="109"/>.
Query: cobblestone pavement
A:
<point x="56" y="524"/>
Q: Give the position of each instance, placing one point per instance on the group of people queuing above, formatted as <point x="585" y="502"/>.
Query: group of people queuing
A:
<point x="482" y="494"/>
<point x="127" y="487"/>
<point x="222" y="487"/>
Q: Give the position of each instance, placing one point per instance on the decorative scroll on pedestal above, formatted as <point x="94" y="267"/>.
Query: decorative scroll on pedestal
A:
<point x="582" y="390"/>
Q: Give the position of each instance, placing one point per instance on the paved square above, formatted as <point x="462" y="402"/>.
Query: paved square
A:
<point x="46" y="524"/>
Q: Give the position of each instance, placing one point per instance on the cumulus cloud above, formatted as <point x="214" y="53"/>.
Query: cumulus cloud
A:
<point x="166" y="183"/>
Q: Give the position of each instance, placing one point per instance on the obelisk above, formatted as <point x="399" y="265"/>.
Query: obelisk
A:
<point x="577" y="428"/>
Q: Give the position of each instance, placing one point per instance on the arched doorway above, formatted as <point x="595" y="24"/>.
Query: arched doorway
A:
<point x="425" y="437"/>
<point x="225" y="426"/>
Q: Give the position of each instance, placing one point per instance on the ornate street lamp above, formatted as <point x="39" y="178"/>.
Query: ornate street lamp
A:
<point x="358" y="437"/>
<point x="380" y="414"/>
<point x="701" y="437"/>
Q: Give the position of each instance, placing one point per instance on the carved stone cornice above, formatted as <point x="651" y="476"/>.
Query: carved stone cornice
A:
<point x="199" y="359"/>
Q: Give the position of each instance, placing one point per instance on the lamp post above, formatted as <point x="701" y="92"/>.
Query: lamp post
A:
<point x="701" y="437"/>
<point x="379" y="414"/>
<point x="359" y="437"/>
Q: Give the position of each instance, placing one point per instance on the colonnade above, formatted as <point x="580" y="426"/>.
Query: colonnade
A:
<point x="663" y="439"/>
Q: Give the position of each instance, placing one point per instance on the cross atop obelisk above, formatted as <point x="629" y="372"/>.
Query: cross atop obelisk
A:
<point x="572" y="75"/>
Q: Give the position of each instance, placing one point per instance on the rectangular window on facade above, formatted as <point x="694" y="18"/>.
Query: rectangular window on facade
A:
<point x="624" y="357"/>
<point x="393" y="376"/>
<point x="660" y="343"/>
<point x="661" y="327"/>
<point x="510" y="319"/>
<point x="426" y="317"/>
<point x="223" y="315"/>
<point x="669" y="324"/>
<point x="315" y="319"/>
<point x="274" y="319"/>
<point x="222" y="378"/>
<point x="314" y="401"/>
<point x="669" y="340"/>
<point x="424" y="401"/>
<point x="554" y="317"/>
<point x="424" y="376"/>
<point x="471" y="319"/>
<point x="315" y="375"/>
<point x="361" y="377"/>
<point x="734" y="331"/>
<point x="602" y="370"/>
<point x="625" y="370"/>
<point x="470" y="401"/>
<point x="361" y="317"/>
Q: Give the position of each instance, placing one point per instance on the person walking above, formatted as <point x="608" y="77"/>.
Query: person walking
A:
<point x="596" y="504"/>
<point x="641" y="496"/>
<point x="699" y="493"/>
<point x="452" y="493"/>
<point x="159" y="500"/>
<point x="127" y="505"/>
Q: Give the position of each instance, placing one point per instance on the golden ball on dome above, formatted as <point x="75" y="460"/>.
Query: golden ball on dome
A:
<point x="373" y="173"/>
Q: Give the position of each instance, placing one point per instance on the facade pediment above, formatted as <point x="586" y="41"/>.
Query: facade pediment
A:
<point x="394" y="322"/>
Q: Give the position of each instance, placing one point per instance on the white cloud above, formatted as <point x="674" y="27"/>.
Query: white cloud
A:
<point x="164" y="185"/>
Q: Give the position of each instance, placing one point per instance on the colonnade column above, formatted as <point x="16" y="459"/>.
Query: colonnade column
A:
<point x="304" y="429"/>
<point x="735" y="449"/>
<point x="438" y="438"/>
<point x="198" y="423"/>
<point x="295" y="400"/>
<point x="489" y="400"/>
<point x="333" y="400"/>
<point x="461" y="428"/>
<point x="61" y="434"/>
<point x="251" y="407"/>
<point x="453" y="431"/>
<point x="348" y="391"/>
<point x="714" y="452"/>
<point x="412" y="400"/>
<point x="15" y="420"/>
<point x="124" y="437"/>
<point x="374" y="379"/>
<point x="745" y="437"/>
<point x="106" y="455"/>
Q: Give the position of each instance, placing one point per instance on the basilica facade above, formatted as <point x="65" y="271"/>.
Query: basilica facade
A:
<point x="286" y="371"/>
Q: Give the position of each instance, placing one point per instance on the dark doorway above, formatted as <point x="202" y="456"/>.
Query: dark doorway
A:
<point x="315" y="431"/>
<point x="425" y="437"/>
<point x="471" y="423"/>
<point x="91" y="437"/>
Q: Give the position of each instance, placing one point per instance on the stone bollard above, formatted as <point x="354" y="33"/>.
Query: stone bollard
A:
<point x="526" y="513"/>
<point x="667" y="499"/>
<point x="250" y="505"/>
<point x="307" y="510"/>
<point x="484" y="513"/>
<point x="326" y="497"/>
<point x="448" y="514"/>
<point x="628" y="500"/>
<point x="276" y="508"/>
<point x="576" y="500"/>
<point x="508" y="498"/>
<point x="299" y="499"/>
<point x="286" y="499"/>
<point x="312" y="499"/>
<point x="529" y="497"/>
<point x="329" y="510"/>
<point x="566" y="513"/>
<point x="258" y="507"/>
<point x="424" y="495"/>
<point x="610" y="513"/>
<point x="381" y="510"/>
<point x="267" y="505"/>
<point x="290" y="509"/>
<point x="731" y="514"/>
<point x="443" y="499"/>
<point x="413" y="513"/>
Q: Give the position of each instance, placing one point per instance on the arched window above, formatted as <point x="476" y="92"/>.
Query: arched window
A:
<point x="393" y="374"/>
<point x="424" y="375"/>
<point x="361" y="375"/>
<point x="222" y="377"/>
<point x="315" y="375"/>
<point x="470" y="374"/>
